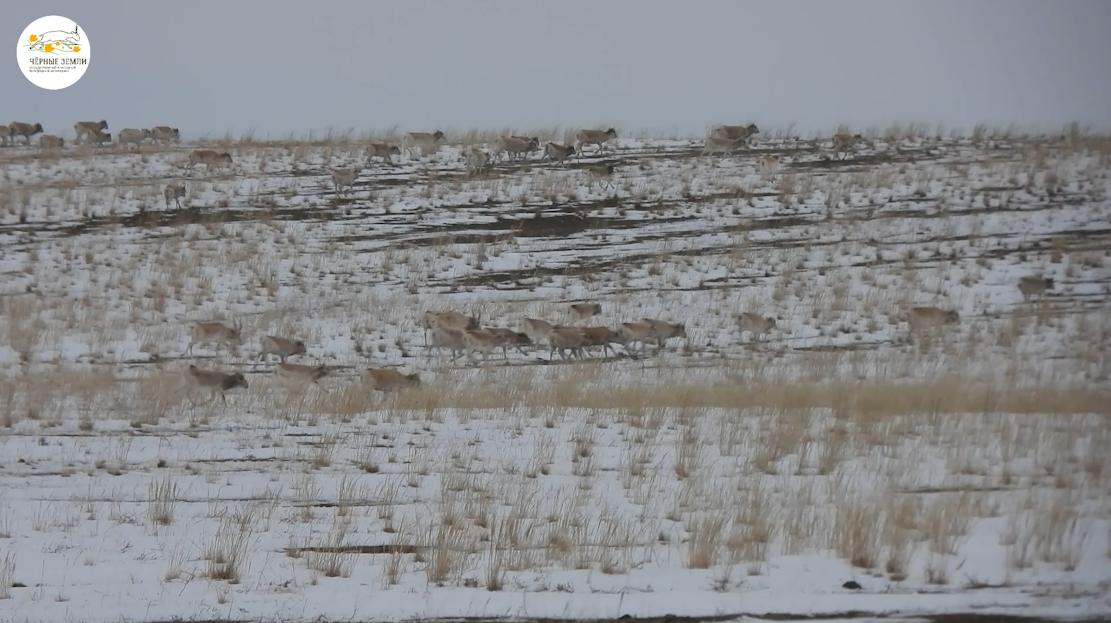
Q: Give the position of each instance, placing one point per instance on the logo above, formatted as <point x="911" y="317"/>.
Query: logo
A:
<point x="53" y="52"/>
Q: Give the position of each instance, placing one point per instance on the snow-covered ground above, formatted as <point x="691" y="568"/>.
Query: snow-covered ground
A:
<point x="964" y="470"/>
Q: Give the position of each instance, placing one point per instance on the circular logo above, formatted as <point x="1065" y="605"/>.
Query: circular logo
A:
<point x="53" y="52"/>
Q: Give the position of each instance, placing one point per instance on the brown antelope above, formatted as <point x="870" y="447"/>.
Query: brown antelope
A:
<point x="769" y="165"/>
<point x="208" y="158"/>
<point x="538" y="330"/>
<point x="421" y="141"/>
<point x="281" y="348"/>
<point x="214" y="333"/>
<point x="344" y="178"/>
<point x="86" y="128"/>
<point x="735" y="132"/>
<point x="755" y="323"/>
<point x="213" y="382"/>
<point x="509" y="338"/>
<point x="173" y="192"/>
<point x="50" y="141"/>
<point x="594" y="137"/>
<point x="1032" y="286"/>
<point x="582" y="311"/>
<point x="555" y="151"/>
<point x="515" y="146"/>
<point x="633" y="332"/>
<point x="382" y="149"/>
<point x="293" y="375"/>
<point x="97" y="137"/>
<point x="5" y="135"/>
<point x="479" y="341"/>
<point x="476" y="161"/>
<point x="601" y="173"/>
<point x="923" y="318"/>
<point x="26" y="130"/>
<point x="447" y="338"/>
<point x="844" y="142"/>
<point x="718" y="145"/>
<point x="385" y="380"/>
<point x="601" y="336"/>
<point x="164" y="133"/>
<point x="449" y="320"/>
<point x="131" y="136"/>
<point x="566" y="338"/>
<point x="662" y="331"/>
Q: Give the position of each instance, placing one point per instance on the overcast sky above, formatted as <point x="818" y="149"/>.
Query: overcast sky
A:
<point x="285" y="66"/>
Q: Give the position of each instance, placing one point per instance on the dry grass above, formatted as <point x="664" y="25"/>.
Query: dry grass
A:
<point x="835" y="439"/>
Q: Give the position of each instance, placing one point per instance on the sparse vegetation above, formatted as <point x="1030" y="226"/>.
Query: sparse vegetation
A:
<point x="704" y="463"/>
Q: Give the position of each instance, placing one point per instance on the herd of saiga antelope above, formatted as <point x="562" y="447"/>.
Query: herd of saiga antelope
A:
<point x="452" y="330"/>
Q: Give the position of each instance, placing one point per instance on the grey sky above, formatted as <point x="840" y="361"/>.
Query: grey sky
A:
<point x="285" y="66"/>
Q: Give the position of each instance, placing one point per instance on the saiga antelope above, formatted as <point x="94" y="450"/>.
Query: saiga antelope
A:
<point x="1032" y="286"/>
<point x="385" y="380"/>
<point x="594" y="137"/>
<point x="213" y="381"/>
<point x="173" y="192"/>
<point x="582" y="311"/>
<point x="280" y="347"/>
<point x="214" y="333"/>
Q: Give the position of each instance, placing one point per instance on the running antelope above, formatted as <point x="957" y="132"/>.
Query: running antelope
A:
<point x="385" y="380"/>
<point x="602" y="174"/>
<point x="213" y="382"/>
<point x="735" y="132"/>
<point x="447" y="338"/>
<point x="214" y="333"/>
<point x="281" y="348"/>
<point x="601" y="336"/>
<point x="208" y="158"/>
<point x="479" y="341"/>
<point x="755" y="323"/>
<point x="295" y="375"/>
<point x="509" y="338"/>
<point x="476" y="161"/>
<point x="769" y="165"/>
<point x="131" y="136"/>
<point x="5" y="134"/>
<point x="537" y="330"/>
<point x="96" y="137"/>
<point x="582" y="311"/>
<point x="173" y="192"/>
<point x="594" y="137"/>
<point x="718" y="145"/>
<point x="26" y="130"/>
<point x="923" y="318"/>
<point x="516" y="146"/>
<point x="449" y="320"/>
<point x="845" y="142"/>
<point x="85" y="129"/>
<point x="381" y="149"/>
<point x="422" y="141"/>
<point x="634" y="332"/>
<point x="342" y="178"/>
<point x="50" y="141"/>
<point x="1034" y="286"/>
<point x="555" y="151"/>
<point x="566" y="338"/>
<point x="662" y="331"/>
<point x="164" y="133"/>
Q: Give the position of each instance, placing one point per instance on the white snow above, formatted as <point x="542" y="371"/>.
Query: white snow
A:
<point x="967" y="471"/>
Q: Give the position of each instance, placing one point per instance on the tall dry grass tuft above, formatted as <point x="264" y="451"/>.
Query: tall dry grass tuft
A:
<point x="226" y="554"/>
<point x="161" y="501"/>
<point x="7" y="574"/>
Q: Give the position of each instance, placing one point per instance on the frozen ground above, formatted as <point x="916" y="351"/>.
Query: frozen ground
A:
<point x="966" y="470"/>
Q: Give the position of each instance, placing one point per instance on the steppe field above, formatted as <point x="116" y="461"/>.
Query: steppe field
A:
<point x="958" y="468"/>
